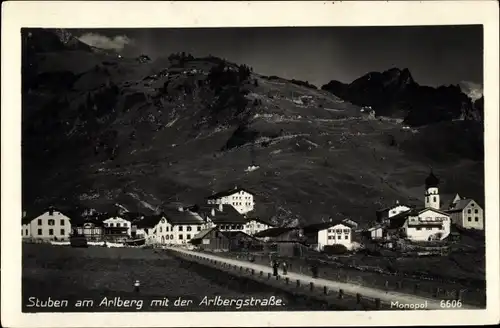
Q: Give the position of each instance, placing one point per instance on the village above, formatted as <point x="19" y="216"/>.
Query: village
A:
<point x="224" y="224"/>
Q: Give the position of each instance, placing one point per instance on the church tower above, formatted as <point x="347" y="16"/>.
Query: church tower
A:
<point x="432" y="192"/>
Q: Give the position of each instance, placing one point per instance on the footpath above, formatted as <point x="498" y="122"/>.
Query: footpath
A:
<point x="383" y="299"/>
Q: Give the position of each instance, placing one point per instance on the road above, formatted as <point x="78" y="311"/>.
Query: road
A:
<point x="387" y="297"/>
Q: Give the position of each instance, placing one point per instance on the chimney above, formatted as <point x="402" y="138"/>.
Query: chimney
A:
<point x="213" y="212"/>
<point x="397" y="202"/>
<point x="51" y="210"/>
<point x="24" y="214"/>
<point x="221" y="207"/>
<point x="180" y="208"/>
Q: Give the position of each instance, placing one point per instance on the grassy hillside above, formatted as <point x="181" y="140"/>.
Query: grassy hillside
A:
<point x="146" y="133"/>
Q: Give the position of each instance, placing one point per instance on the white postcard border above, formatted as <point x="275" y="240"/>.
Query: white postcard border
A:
<point x="99" y="14"/>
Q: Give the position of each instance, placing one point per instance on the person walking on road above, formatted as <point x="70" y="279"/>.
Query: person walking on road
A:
<point x="275" y="265"/>
<point x="285" y="268"/>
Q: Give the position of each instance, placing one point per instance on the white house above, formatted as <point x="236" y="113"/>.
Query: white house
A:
<point x="329" y="233"/>
<point x="377" y="232"/>
<point x="241" y="199"/>
<point x="172" y="227"/>
<point x="224" y="216"/>
<point x="118" y="222"/>
<point x="51" y="224"/>
<point x="255" y="225"/>
<point x="466" y="213"/>
<point x="383" y="215"/>
<point x="425" y="224"/>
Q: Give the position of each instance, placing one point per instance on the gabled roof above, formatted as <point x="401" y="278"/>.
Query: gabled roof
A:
<point x="229" y="215"/>
<point x="460" y="205"/>
<point x="228" y="192"/>
<point x="149" y="221"/>
<point x="433" y="210"/>
<point x="275" y="232"/>
<point x="398" y="220"/>
<point x="446" y="200"/>
<point x="324" y="225"/>
<point x="235" y="234"/>
<point x="375" y="227"/>
<point x="388" y="208"/>
<point x="177" y="217"/>
<point x="36" y="213"/>
<point x="203" y="233"/>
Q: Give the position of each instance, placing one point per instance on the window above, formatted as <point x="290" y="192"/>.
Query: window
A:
<point x="62" y="222"/>
<point x="472" y="204"/>
<point x="419" y="228"/>
<point x="199" y="228"/>
<point x="171" y="236"/>
<point x="339" y="237"/>
<point x="476" y="219"/>
<point x="469" y="219"/>
<point x="62" y="232"/>
<point x="429" y="228"/>
<point x="161" y="229"/>
<point x="52" y="222"/>
<point x="346" y="237"/>
<point x="188" y="229"/>
<point x="118" y="225"/>
<point x="338" y="230"/>
<point x="434" y="198"/>
<point x="469" y="211"/>
<point x="111" y="224"/>
<point x="330" y="230"/>
<point x="346" y="230"/>
<point x="26" y="232"/>
<point x="188" y="236"/>
<point x="39" y="221"/>
<point x="167" y="237"/>
<point x="180" y="229"/>
<point x="476" y="211"/>
<point x="39" y="232"/>
<point x="51" y="232"/>
<point x="180" y="237"/>
<point x="233" y="227"/>
<point x="330" y="237"/>
<point x="125" y="224"/>
<point x="166" y="229"/>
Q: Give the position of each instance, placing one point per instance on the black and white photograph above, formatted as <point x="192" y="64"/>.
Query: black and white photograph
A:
<point x="254" y="169"/>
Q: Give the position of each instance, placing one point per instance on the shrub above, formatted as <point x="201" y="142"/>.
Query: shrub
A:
<point x="335" y="249"/>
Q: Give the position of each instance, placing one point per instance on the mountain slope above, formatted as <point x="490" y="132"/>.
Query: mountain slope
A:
<point x="100" y="130"/>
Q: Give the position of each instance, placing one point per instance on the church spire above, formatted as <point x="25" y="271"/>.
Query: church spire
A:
<point x="431" y="181"/>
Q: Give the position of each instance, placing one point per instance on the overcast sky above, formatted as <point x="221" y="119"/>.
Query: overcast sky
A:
<point x="435" y="55"/>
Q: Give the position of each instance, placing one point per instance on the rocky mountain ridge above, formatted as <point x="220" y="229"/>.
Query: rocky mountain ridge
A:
<point x="394" y="93"/>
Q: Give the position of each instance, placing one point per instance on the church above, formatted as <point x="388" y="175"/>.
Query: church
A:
<point x="426" y="223"/>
